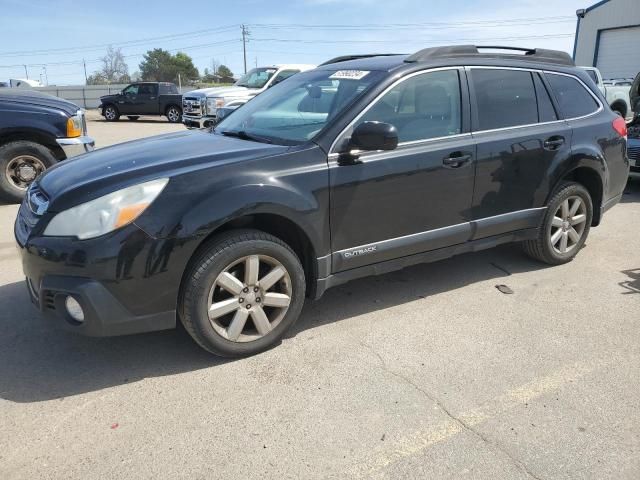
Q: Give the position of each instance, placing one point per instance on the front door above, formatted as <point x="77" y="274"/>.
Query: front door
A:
<point x="520" y="139"/>
<point x="414" y="198"/>
<point x="146" y="101"/>
<point x="127" y="101"/>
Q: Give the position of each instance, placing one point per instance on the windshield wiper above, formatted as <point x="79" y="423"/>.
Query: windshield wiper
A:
<point x="245" y="136"/>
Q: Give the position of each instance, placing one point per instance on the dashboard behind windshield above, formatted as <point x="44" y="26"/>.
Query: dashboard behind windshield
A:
<point x="295" y="111"/>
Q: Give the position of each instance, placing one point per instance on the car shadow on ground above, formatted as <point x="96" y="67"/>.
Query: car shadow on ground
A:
<point x="125" y="121"/>
<point x="39" y="362"/>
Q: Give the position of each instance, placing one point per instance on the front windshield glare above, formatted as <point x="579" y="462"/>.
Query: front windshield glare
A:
<point x="256" y="78"/>
<point x="294" y="111"/>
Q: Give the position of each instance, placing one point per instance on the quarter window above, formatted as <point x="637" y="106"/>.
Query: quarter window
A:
<point x="421" y="107"/>
<point x="574" y="100"/>
<point x="504" y="98"/>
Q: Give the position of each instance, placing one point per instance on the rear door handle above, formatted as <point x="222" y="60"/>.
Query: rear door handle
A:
<point x="456" y="159"/>
<point x="553" y="143"/>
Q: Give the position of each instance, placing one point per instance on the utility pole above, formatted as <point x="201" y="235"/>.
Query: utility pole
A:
<point x="86" y="80"/>
<point x="27" y="73"/>
<point x="245" y="34"/>
<point x="256" y="61"/>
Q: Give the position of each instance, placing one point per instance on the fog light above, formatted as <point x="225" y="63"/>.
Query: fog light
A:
<point x="74" y="309"/>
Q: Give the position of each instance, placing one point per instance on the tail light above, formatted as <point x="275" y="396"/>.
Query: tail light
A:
<point x="620" y="126"/>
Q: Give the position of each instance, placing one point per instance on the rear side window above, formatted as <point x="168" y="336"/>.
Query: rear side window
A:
<point x="167" y="88"/>
<point x="574" y="100"/>
<point x="504" y="98"/>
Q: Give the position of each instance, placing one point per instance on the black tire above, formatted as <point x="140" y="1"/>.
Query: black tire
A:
<point x="211" y="262"/>
<point x="133" y="118"/>
<point x="541" y="248"/>
<point x="12" y="187"/>
<point x="173" y="114"/>
<point x="111" y="113"/>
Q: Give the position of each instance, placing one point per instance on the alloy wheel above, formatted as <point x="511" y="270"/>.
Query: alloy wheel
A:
<point x="23" y="169"/>
<point x="173" y="114"/>
<point x="249" y="298"/>
<point x="568" y="224"/>
<point x="110" y="113"/>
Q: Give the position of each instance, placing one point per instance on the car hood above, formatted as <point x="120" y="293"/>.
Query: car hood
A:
<point x="33" y="97"/>
<point x="108" y="97"/>
<point x="221" y="92"/>
<point x="94" y="174"/>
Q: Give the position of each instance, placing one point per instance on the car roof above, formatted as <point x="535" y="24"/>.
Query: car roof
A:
<point x="458" y="55"/>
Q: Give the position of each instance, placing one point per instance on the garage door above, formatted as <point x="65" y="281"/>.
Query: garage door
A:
<point x="619" y="53"/>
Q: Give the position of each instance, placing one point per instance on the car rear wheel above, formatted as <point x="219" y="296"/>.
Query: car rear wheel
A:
<point x="174" y="114"/>
<point x="242" y="293"/>
<point x="111" y="113"/>
<point x="20" y="164"/>
<point x="565" y="226"/>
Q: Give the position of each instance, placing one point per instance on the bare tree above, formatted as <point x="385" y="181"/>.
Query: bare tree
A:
<point x="114" y="68"/>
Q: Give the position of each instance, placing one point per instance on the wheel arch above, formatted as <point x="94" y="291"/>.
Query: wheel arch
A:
<point x="33" y="135"/>
<point x="275" y="224"/>
<point x="592" y="180"/>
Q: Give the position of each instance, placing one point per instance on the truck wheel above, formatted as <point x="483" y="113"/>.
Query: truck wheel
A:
<point x="133" y="118"/>
<point x="20" y="163"/>
<point x="565" y="226"/>
<point x="111" y="113"/>
<point x="242" y="293"/>
<point x="174" y="114"/>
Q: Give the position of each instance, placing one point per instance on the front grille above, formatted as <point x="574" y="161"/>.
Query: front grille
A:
<point x="191" y="106"/>
<point x="35" y="203"/>
<point x="634" y="155"/>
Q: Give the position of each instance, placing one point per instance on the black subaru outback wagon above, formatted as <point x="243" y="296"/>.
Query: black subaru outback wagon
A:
<point x="359" y="167"/>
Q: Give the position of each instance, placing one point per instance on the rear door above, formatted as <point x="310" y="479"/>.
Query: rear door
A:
<point x="520" y="138"/>
<point x="147" y="102"/>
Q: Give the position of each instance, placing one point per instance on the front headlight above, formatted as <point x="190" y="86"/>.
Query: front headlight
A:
<point x="74" y="125"/>
<point x="105" y="214"/>
<point x="214" y="103"/>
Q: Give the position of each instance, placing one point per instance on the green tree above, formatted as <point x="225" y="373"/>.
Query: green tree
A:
<point x="160" y="66"/>
<point x="225" y="74"/>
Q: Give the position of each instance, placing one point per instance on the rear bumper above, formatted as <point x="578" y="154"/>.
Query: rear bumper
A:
<point x="73" y="147"/>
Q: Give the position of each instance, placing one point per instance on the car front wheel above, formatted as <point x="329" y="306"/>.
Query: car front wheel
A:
<point x="242" y="293"/>
<point x="20" y="164"/>
<point x="111" y="113"/>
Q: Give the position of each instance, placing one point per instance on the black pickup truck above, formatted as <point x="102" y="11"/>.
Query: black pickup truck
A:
<point x="36" y="132"/>
<point x="143" y="98"/>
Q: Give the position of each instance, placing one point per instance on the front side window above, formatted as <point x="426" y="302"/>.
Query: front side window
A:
<point x="574" y="100"/>
<point x="504" y="98"/>
<point x="131" y="90"/>
<point x="421" y="107"/>
<point x="256" y="78"/>
<point x="295" y="111"/>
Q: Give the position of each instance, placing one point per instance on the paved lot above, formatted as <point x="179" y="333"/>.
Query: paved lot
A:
<point x="426" y="373"/>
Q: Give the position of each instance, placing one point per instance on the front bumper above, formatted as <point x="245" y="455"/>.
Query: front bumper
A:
<point x="126" y="281"/>
<point x="76" y="146"/>
<point x="633" y="152"/>
<point x="198" y="122"/>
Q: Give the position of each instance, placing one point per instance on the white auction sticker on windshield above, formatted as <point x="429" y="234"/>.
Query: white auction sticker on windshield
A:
<point x="349" y="74"/>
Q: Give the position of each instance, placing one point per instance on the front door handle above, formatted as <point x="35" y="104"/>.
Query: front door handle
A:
<point x="456" y="159"/>
<point x="553" y="143"/>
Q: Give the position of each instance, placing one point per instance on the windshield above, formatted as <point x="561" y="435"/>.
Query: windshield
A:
<point x="295" y="111"/>
<point x="256" y="78"/>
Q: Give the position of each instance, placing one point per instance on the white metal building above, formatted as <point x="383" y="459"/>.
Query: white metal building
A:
<point x="608" y="37"/>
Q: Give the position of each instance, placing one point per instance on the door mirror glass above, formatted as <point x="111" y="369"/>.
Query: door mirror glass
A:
<point x="374" y="136"/>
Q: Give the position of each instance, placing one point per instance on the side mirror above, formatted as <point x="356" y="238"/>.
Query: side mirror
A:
<point x="374" y="136"/>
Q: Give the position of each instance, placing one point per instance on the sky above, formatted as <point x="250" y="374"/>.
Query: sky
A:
<point x="54" y="36"/>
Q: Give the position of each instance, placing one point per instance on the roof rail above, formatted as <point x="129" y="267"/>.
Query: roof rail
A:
<point x="533" y="54"/>
<point x="346" y="58"/>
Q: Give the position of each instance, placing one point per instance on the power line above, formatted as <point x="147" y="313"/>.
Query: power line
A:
<point x="197" y="33"/>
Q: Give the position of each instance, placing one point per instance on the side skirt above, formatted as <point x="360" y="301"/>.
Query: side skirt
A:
<point x="380" y="268"/>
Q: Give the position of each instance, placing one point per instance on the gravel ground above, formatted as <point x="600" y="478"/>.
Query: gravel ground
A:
<point x="430" y="372"/>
